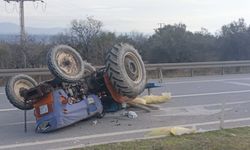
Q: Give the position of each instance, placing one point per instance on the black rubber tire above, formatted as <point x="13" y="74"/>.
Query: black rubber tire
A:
<point x="14" y="98"/>
<point x="126" y="70"/>
<point x="63" y="57"/>
<point x="88" y="69"/>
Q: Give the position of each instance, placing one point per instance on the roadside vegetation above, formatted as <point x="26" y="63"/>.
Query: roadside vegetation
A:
<point x="170" y="43"/>
<point x="229" y="139"/>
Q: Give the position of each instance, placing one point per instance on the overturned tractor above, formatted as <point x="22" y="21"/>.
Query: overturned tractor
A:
<point x="78" y="90"/>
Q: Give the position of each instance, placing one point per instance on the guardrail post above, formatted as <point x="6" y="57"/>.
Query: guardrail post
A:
<point x="223" y="104"/>
<point x="149" y="91"/>
<point x="160" y="76"/>
<point x="40" y="78"/>
<point x="192" y="72"/>
<point x="222" y="71"/>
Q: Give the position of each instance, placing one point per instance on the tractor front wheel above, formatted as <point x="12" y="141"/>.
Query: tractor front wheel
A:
<point x="65" y="63"/>
<point x="13" y="87"/>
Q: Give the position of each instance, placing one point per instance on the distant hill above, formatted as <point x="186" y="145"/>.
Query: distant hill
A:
<point x="11" y="28"/>
<point x="15" y="38"/>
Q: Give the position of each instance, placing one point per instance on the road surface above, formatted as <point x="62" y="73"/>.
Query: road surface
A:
<point x="196" y="102"/>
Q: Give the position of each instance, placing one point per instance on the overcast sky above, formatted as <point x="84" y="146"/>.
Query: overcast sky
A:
<point x="128" y="15"/>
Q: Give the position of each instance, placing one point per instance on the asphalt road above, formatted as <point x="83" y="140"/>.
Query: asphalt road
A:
<point x="196" y="102"/>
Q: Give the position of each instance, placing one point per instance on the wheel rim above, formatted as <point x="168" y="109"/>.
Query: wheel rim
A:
<point x="21" y="84"/>
<point x="133" y="67"/>
<point x="68" y="63"/>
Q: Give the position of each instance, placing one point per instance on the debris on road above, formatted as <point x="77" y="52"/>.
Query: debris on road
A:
<point x="130" y="114"/>
<point x="116" y="122"/>
<point x="94" y="122"/>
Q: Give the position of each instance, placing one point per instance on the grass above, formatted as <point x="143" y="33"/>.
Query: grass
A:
<point x="229" y="139"/>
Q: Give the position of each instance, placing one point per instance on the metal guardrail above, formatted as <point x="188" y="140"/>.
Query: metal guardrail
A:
<point x="149" y="67"/>
<point x="28" y="71"/>
<point x="195" y="65"/>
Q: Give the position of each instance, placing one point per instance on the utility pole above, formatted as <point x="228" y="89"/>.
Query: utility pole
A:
<point x="161" y="25"/>
<point x="22" y="29"/>
<point x="22" y="26"/>
<point x="21" y="13"/>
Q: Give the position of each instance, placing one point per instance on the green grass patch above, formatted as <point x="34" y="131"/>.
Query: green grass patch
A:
<point x="229" y="139"/>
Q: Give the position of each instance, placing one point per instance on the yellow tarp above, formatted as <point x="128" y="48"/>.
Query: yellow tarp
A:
<point x="181" y="131"/>
<point x="159" y="132"/>
<point x="152" y="99"/>
<point x="166" y="131"/>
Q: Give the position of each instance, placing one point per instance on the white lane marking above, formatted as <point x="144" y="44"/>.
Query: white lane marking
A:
<point x="125" y="140"/>
<point x="112" y="142"/>
<point x="16" y="123"/>
<point x="2" y="93"/>
<point x="190" y="111"/>
<point x="207" y="94"/>
<point x="238" y="83"/>
<point x="174" y="96"/>
<point x="163" y="109"/>
<point x="195" y="110"/>
<point x="208" y="105"/>
<point x="8" y="109"/>
<point x="51" y="141"/>
<point x="202" y="81"/>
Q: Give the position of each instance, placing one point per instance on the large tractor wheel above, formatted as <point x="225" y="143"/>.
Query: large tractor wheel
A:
<point x="126" y="70"/>
<point x="65" y="63"/>
<point x="13" y="87"/>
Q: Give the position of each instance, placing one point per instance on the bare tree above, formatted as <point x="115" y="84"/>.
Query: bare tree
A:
<point x="83" y="32"/>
